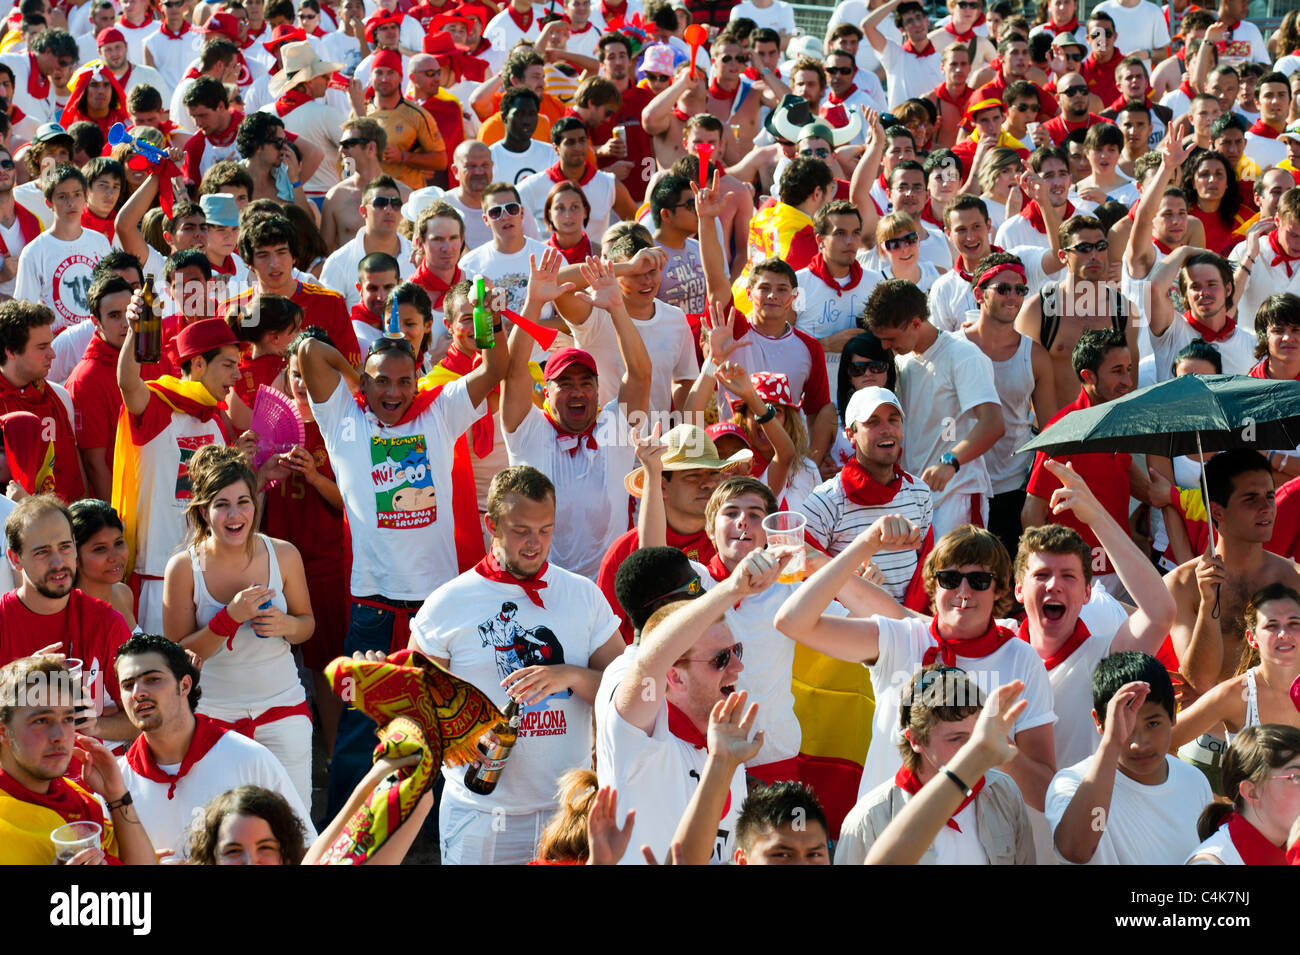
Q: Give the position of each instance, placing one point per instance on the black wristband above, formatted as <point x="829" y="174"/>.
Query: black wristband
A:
<point x="120" y="803"/>
<point x="966" y="790"/>
<point x="766" y="416"/>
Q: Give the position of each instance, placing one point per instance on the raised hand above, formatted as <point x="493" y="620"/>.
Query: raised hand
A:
<point x="604" y="292"/>
<point x="729" y="727"/>
<point x="650" y="450"/>
<point x="1160" y="488"/>
<point x="709" y="201"/>
<point x="993" y="728"/>
<point x="721" y="333"/>
<point x="737" y="381"/>
<point x="606" y="839"/>
<point x="1122" y="712"/>
<point x="544" y="283"/>
<point x="757" y="571"/>
<point x="893" y="532"/>
<point x="1073" y="494"/>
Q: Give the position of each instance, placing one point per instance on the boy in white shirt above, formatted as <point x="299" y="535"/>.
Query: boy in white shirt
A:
<point x="1130" y="803"/>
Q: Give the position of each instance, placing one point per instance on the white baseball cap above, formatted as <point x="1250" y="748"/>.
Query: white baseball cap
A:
<point x="865" y="401"/>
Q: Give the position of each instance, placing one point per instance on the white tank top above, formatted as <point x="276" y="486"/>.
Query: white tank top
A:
<point x="259" y="673"/>
<point x="1014" y="379"/>
<point x="1252" y="705"/>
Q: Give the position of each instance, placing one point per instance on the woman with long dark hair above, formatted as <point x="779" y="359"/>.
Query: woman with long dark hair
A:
<point x="1211" y="183"/>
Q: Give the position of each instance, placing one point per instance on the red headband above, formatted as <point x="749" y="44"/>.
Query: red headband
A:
<point x="993" y="271"/>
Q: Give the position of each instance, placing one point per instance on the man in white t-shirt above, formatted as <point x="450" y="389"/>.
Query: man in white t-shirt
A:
<point x="176" y="42"/>
<point x="1140" y="26"/>
<point x="1273" y="93"/>
<point x="1206" y="282"/>
<point x="953" y="412"/>
<point x="518" y="20"/>
<point x="550" y="633"/>
<point x="504" y="260"/>
<point x="381" y="207"/>
<point x="52" y="52"/>
<point x="301" y="104"/>
<point x="577" y="442"/>
<point x="776" y="14"/>
<point x="395" y="477"/>
<point x="181" y="760"/>
<point x="912" y="67"/>
<point x="518" y="156"/>
<point x="1149" y="800"/>
<point x="650" y="740"/>
<point x="831" y="291"/>
<point x="55" y="267"/>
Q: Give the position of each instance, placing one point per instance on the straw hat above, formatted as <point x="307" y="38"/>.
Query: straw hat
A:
<point x="300" y="65"/>
<point x="689" y="449"/>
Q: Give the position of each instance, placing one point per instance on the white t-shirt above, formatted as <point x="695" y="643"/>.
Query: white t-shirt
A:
<point x="502" y="32"/>
<point x="1014" y="380"/>
<point x="907" y="75"/>
<point x="1237" y="351"/>
<point x="234" y="761"/>
<point x="69" y="346"/>
<point x="396" y="487"/>
<point x="951" y="296"/>
<point x="667" y="337"/>
<point x="591" y="501"/>
<point x="514" y="167"/>
<point x="1139" y="27"/>
<point x="777" y="15"/>
<point x="1272" y="281"/>
<point x="487" y="630"/>
<point x="321" y="125"/>
<point x="1146" y="825"/>
<point x="172" y="56"/>
<point x="824" y="310"/>
<point x="1263" y="151"/>
<point x="57" y="273"/>
<point x="338" y="47"/>
<point x="340" y="269"/>
<point x="507" y="270"/>
<point x="599" y="190"/>
<point x="1017" y="231"/>
<point x="902" y="646"/>
<point x="36" y="110"/>
<point x="1220" y="846"/>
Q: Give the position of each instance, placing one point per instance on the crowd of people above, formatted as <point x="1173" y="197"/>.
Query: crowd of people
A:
<point x="663" y="373"/>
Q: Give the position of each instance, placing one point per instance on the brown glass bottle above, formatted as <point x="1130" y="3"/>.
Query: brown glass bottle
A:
<point x="494" y="749"/>
<point x="148" y="327"/>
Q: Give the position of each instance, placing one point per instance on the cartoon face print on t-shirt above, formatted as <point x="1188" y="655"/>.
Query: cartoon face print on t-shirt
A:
<point x="404" y="493"/>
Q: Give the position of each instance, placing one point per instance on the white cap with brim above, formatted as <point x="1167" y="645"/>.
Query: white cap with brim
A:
<point x="865" y="401"/>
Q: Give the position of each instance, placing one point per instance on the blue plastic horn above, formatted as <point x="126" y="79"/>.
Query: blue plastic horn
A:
<point x="117" y="135"/>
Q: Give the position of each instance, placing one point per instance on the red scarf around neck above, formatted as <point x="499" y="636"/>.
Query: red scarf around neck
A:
<point x="489" y="568"/>
<point x="428" y="281"/>
<point x="556" y="174"/>
<point x="717" y="570"/>
<point x="1057" y="30"/>
<point x="988" y="642"/>
<point x="834" y="100"/>
<point x="1250" y="843"/>
<point x="907" y="781"/>
<point x="1261" y="128"/>
<point x="861" y="488"/>
<point x="928" y="51"/>
<point x="522" y="20"/>
<point x="959" y="100"/>
<point x="28" y="224"/>
<point x="481" y="431"/>
<point x="680" y="113"/>
<point x="100" y="352"/>
<point x="680" y="725"/>
<point x="1034" y="215"/>
<point x="574" y="254"/>
<point x="419" y="405"/>
<point x="818" y="267"/>
<point x="1280" y="255"/>
<point x="1209" y="334"/>
<point x="960" y="265"/>
<point x="961" y="37"/>
<point x="93" y="222"/>
<point x="1072" y="642"/>
<point x="141" y="759"/>
<point x="291" y="99"/>
<point x="362" y="314"/>
<point x="569" y="440"/>
<point x="38" y="85"/>
<point x="717" y="92"/>
<point x="165" y="31"/>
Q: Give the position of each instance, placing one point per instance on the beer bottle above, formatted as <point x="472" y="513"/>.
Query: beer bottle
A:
<point x="148" y="327"/>
<point x="494" y="746"/>
<point x="483" y="336"/>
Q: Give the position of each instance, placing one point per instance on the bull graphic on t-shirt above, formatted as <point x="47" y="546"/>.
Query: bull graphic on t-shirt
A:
<point x="405" y="496"/>
<point x="518" y="646"/>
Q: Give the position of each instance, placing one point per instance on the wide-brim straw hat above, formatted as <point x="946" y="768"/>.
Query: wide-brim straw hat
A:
<point x="689" y="449"/>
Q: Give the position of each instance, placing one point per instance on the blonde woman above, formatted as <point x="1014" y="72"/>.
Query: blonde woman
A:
<point x="998" y="174"/>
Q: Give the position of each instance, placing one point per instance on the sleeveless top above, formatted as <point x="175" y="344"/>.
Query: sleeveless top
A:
<point x="259" y="673"/>
<point x="1252" y="705"/>
<point x="1051" y="317"/>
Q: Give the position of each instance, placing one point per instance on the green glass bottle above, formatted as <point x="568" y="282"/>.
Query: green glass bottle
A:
<point x="483" y="336"/>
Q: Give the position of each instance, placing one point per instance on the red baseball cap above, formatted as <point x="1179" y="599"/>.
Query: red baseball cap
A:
<point x="284" y="33"/>
<point x="225" y="24"/>
<point x="203" y="336"/>
<point x="565" y="357"/>
<point x="109" y="35"/>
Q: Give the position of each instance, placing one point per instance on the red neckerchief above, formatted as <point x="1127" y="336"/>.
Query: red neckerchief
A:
<point x="426" y="279"/>
<point x="861" y="488"/>
<point x="1072" y="642"/>
<point x="126" y="24"/>
<point x="228" y="137"/>
<point x="226" y="266"/>
<point x="753" y="74"/>
<point x="818" y="267"/>
<point x="908" y="48"/>
<point x="1280" y="256"/>
<point x="961" y="37"/>
<point x="717" y="570"/>
<point x="1121" y="100"/>
<point x="185" y="28"/>
<point x="906" y="780"/>
<point x="680" y="114"/>
<point x="1261" y="128"/>
<point x="717" y="92"/>
<point x="941" y="93"/>
<point x="290" y="100"/>
<point x="100" y="352"/>
<point x="1185" y="87"/>
<point x="574" y="254"/>
<point x="680" y="725"/>
<point x="988" y="642"/>
<point x="1064" y="28"/>
<point x="1260" y="370"/>
<point x="1164" y="249"/>
<point x="696" y="546"/>
<point x="489" y="568"/>
<point x="481" y="431"/>
<point x="28" y="223"/>
<point x="1250" y="843"/>
<point x="38" y="86"/>
<point x="960" y="265"/>
<point x="419" y="405"/>
<point x="522" y="20"/>
<point x="362" y="314"/>
<point x="1209" y="334"/>
<point x="569" y="440"/>
<point x="834" y="100"/>
<point x="1034" y="215"/>
<point x="71" y="804"/>
<point x="927" y="214"/>
<point x="589" y="26"/>
<point x="556" y="174"/>
<point x="125" y="79"/>
<point x="610" y="11"/>
<point x="141" y="759"/>
<point x="93" y="222"/>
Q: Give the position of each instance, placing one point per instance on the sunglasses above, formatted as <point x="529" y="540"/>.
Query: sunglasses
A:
<point x="509" y="209"/>
<point x="277" y="143"/>
<point x="839" y="70"/>
<point x="1072" y="57"/>
<point x="427" y="73"/>
<point x="893" y="245"/>
<point x="821" y="152"/>
<point x="1025" y="107"/>
<point x="968" y="5"/>
<point x="869" y="366"/>
<point x="1098" y="34"/>
<point x="6" y="164"/>
<point x="742" y="58"/>
<point x="383" y="343"/>
<point x="1084" y="248"/>
<point x="1073" y="91"/>
<point x="657" y="77"/>
<point x="1006" y="288"/>
<point x="686" y="204"/>
<point x="173" y="4"/>
<point x="951" y="579"/>
<point x="385" y="202"/>
<point x="720" y="660"/>
<point x="351" y="142"/>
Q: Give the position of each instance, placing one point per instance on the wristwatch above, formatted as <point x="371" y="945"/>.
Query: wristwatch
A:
<point x="950" y="459"/>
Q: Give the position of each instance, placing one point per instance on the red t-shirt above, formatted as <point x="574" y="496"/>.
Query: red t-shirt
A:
<point x="1218" y="237"/>
<point x="89" y="629"/>
<point x="639" y="147"/>
<point x="1106" y="475"/>
<point x="1058" y="128"/>
<point x="96" y="397"/>
<point x="323" y="308"/>
<point x="1101" y="76"/>
<point x="697" y="547"/>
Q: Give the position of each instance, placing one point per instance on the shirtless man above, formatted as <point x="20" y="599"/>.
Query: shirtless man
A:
<point x="728" y="100"/>
<point x="363" y="143"/>
<point x="664" y="118"/>
<point x="1059" y="313"/>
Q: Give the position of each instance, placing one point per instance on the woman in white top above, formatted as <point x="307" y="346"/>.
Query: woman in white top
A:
<point x="898" y="246"/>
<point x="239" y="600"/>
<point x="998" y="175"/>
<point x="1261" y="777"/>
<point x="1270" y="663"/>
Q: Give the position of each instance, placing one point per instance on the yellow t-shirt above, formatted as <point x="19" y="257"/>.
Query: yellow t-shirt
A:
<point x="410" y="128"/>
<point x="28" y="818"/>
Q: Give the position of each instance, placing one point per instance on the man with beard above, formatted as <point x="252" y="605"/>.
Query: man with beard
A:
<point x="1072" y="96"/>
<point x="440" y="236"/>
<point x="160" y="689"/>
<point x="554" y="696"/>
<point x="615" y="54"/>
<point x="1207" y="285"/>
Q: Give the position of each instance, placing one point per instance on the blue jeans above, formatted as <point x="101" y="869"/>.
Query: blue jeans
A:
<point x="369" y="628"/>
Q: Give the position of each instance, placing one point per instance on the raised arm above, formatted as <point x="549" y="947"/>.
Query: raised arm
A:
<point x="1160" y="311"/>
<point x="127" y="223"/>
<point x="544" y="286"/>
<point x="634" y="392"/>
<point x="868" y="168"/>
<point x="870" y="26"/>
<point x="783" y="457"/>
<point x="323" y="367"/>
<point x="1140" y="254"/>
<point x="135" y="394"/>
<point x="657" y="116"/>
<point x="651" y="518"/>
<point x="717" y="280"/>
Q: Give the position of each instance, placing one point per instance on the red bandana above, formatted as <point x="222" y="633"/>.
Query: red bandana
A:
<point x="1164" y="248"/>
<point x="1260" y="370"/>
<point x="419" y="405"/>
<point x="1280" y="255"/>
<point x="863" y="489"/>
<point x="1261" y="128"/>
<point x="95" y="224"/>
<point x="906" y="780"/>
<point x="38" y="86"/>
<point x="569" y="440"/>
<point x="1034" y="215"/>
<point x="1057" y="30"/>
<point x="960" y="100"/>
<point x="574" y="254"/>
<point x="522" y="20"/>
<point x="908" y="48"/>
<point x="1251" y="845"/>
<point x="28" y="223"/>
<point x="141" y="759"/>
<point x="1209" y="334"/>
<point x="1072" y="643"/>
<point x="291" y="99"/>
<point x="717" y="92"/>
<point x="1185" y="87"/>
<point x="680" y="725"/>
<point x="961" y="37"/>
<point x="717" y="570"/>
<point x="425" y="278"/>
<point x="362" y="314"/>
<point x="834" y="100"/>
<point x="489" y="568"/>
<point x="680" y="114"/>
<point x="556" y="174"/>
<point x="481" y="432"/>
<point x="162" y="28"/>
<point x="988" y="642"/>
<point x="961" y="264"/>
<point x="818" y="267"/>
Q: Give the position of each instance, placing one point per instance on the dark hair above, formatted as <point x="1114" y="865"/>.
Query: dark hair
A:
<point x="1101" y="16"/>
<point x="560" y="188"/>
<point x="774" y="266"/>
<point x="990" y="260"/>
<point x="900" y="132"/>
<point x="186" y="259"/>
<point x="207" y="91"/>
<point x="1222" y="470"/>
<point x="1273" y="77"/>
<point x="217" y="49"/>
<point x="381" y="181"/>
<point x="1278" y="311"/>
<point x="939" y="160"/>
<point x="1251" y="757"/>
<point x="408" y="293"/>
<point x="894" y="303"/>
<point x="61" y="43"/>
<point x="804" y="176"/>
<point x="963" y="201"/>
<point x="1103" y="134"/>
<point x="868" y="346"/>
<point x="103" y="286"/>
<point x="904" y="8"/>
<point x="1231" y="200"/>
<point x="1134" y="106"/>
<point x="255" y="131"/>
<point x="61" y="173"/>
<point x="17" y="319"/>
<point x="224" y="174"/>
<point x="768" y="808"/>
<point x="143" y="99"/>
<point x="265" y="231"/>
<point x="379" y="262"/>
<point x="836" y="207"/>
<point x="183" y="210"/>
<point x="178" y="662"/>
<point x="1110" y="212"/>
<point x="252" y="319"/>
<point x="611" y="38"/>
<point x="310" y="333"/>
<point x="1228" y="121"/>
<point x="665" y="195"/>
<point x="511" y="97"/>
<point x="1094" y="344"/>
<point x="937" y="693"/>
<point x="116" y="261"/>
<point x="266" y="804"/>
<point x="311" y="245"/>
<point x="89" y="516"/>
<point x="1207" y="258"/>
<point x="907" y="165"/>
<point x="1198" y="349"/>
<point x="1125" y="667"/>
<point x="768" y="35"/>
<point x="1043" y="153"/>
<point x="89" y="138"/>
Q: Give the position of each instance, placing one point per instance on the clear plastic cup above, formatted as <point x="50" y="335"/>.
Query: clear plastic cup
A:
<point x="72" y="837"/>
<point x="786" y="529"/>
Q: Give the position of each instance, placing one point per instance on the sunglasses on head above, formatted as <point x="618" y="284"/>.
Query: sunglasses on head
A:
<point x="872" y="366"/>
<point x="1098" y="34"/>
<point x="1073" y="91"/>
<point x="741" y="58"/>
<point x="951" y="579"/>
<point x="820" y="152"/>
<point x="720" y="659"/>
<point x="507" y="209"/>
<point x="892" y="245"/>
<point x="352" y="141"/>
<point x="383" y="343"/>
<point x="1084" y="248"/>
<point x="385" y="202"/>
<point x="1006" y="288"/>
<point x="839" y="70"/>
